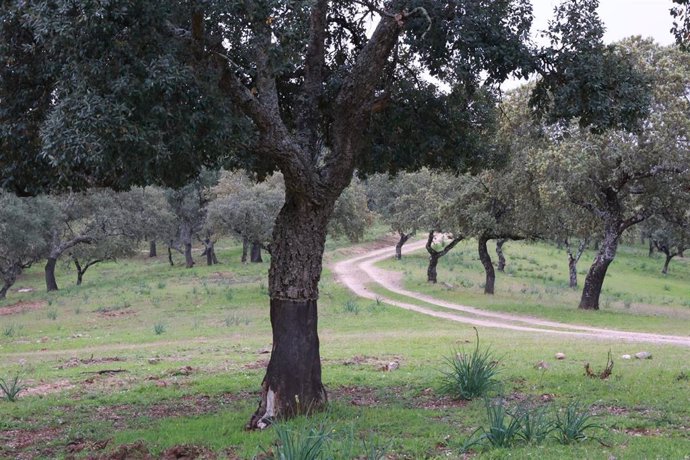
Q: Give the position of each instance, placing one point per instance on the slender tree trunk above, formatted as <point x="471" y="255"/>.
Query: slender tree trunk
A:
<point x="256" y="253"/>
<point x="152" y="249"/>
<point x="245" y="249"/>
<point x="292" y="384"/>
<point x="431" y="269"/>
<point x="398" y="247"/>
<point x="485" y="259"/>
<point x="597" y="272"/>
<point x="666" y="263"/>
<point x="435" y="255"/>
<point x="170" y="259"/>
<point x="51" y="283"/>
<point x="501" y="258"/>
<point x="651" y="248"/>
<point x="572" y="271"/>
<point x="680" y="252"/>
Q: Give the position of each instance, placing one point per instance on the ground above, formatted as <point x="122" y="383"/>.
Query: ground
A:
<point x="150" y="361"/>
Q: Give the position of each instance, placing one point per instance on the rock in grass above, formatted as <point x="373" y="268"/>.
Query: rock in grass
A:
<point x="560" y="355"/>
<point x="626" y="357"/>
<point x="643" y="355"/>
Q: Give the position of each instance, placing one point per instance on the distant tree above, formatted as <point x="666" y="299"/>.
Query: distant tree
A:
<point x="400" y="201"/>
<point x="670" y="234"/>
<point x="24" y="238"/>
<point x="188" y="205"/>
<point x="681" y="23"/>
<point x="248" y="211"/>
<point x="351" y="214"/>
<point x="621" y="178"/>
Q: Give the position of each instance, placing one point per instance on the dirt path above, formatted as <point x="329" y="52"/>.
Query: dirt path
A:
<point x="359" y="271"/>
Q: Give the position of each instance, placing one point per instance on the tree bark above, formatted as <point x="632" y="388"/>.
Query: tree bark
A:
<point x="170" y="259"/>
<point x="485" y="259"/>
<point x="189" y="260"/>
<point x="398" y="246"/>
<point x="255" y="257"/>
<point x="651" y="247"/>
<point x="245" y="249"/>
<point x="597" y="272"/>
<point x="51" y="283"/>
<point x="572" y="271"/>
<point x="666" y="263"/>
<point x="435" y="255"/>
<point x="292" y="384"/>
<point x="152" y="249"/>
<point x="501" y="258"/>
<point x="3" y="291"/>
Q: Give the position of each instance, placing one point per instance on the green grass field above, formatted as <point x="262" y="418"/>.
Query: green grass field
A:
<point x="148" y="357"/>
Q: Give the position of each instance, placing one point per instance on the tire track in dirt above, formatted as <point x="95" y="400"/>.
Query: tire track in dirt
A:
<point x="358" y="272"/>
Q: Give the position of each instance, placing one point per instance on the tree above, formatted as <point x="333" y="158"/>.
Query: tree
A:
<point x="351" y="214"/>
<point x="247" y="210"/>
<point x="188" y="204"/>
<point x="670" y="233"/>
<point x="315" y="94"/>
<point x="681" y="23"/>
<point x="399" y="200"/>
<point x="23" y="236"/>
<point x="621" y="177"/>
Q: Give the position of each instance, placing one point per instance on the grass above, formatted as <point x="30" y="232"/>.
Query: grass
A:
<point x="198" y="383"/>
<point x="636" y="296"/>
<point x="470" y="375"/>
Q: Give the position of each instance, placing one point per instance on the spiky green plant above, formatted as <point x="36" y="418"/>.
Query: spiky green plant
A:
<point x="472" y="374"/>
<point x="572" y="423"/>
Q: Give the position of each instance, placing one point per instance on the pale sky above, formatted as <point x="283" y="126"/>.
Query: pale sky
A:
<point x="622" y="18"/>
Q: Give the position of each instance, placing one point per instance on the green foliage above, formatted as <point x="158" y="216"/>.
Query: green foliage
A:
<point x="472" y="374"/>
<point x="535" y="425"/>
<point x="351" y="306"/>
<point x="159" y="328"/>
<point x="52" y="314"/>
<point x="12" y="387"/>
<point x="299" y="443"/>
<point x="573" y="422"/>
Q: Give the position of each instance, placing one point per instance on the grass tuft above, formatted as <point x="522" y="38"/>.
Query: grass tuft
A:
<point x="11" y="388"/>
<point x="471" y="375"/>
<point x="573" y="422"/>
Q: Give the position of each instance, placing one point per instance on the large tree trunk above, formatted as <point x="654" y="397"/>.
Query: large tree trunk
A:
<point x="245" y="249"/>
<point x="152" y="249"/>
<point x="597" y="272"/>
<point x="292" y="384"/>
<point x="256" y="253"/>
<point x="499" y="252"/>
<point x="51" y="283"/>
<point x="3" y="291"/>
<point x="398" y="247"/>
<point x="189" y="260"/>
<point x="485" y="259"/>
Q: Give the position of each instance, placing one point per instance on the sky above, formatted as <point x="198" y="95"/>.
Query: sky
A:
<point x="622" y="18"/>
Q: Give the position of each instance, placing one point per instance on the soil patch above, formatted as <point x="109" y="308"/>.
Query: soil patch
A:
<point x="24" y="444"/>
<point x="46" y="388"/>
<point x="21" y="307"/>
<point x="76" y="362"/>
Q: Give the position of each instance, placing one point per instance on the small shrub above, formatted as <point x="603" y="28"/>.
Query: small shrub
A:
<point x="503" y="427"/>
<point x="52" y="314"/>
<point x="351" y="307"/>
<point x="305" y="443"/>
<point x="683" y="376"/>
<point x="11" y="388"/>
<point x="9" y="330"/>
<point x="77" y="310"/>
<point x="471" y="375"/>
<point x="159" y="328"/>
<point x="161" y="285"/>
<point x="229" y="294"/>
<point x="535" y="426"/>
<point x="232" y="320"/>
<point x="572" y="423"/>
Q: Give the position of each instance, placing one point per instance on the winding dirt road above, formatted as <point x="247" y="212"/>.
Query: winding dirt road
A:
<point x="359" y="272"/>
